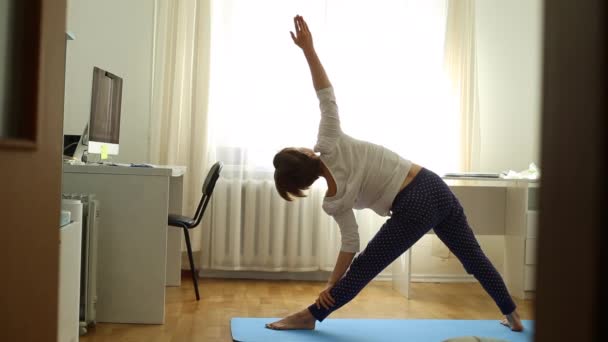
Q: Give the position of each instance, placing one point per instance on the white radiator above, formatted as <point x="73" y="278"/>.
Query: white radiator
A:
<point x="88" y="263"/>
<point x="251" y="228"/>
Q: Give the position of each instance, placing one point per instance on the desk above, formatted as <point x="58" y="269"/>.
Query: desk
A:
<point x="494" y="207"/>
<point x="137" y="255"/>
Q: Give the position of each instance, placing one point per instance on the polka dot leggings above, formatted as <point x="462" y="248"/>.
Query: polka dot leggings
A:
<point x="425" y="203"/>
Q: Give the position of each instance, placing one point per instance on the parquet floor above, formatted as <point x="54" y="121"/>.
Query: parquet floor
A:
<point x="221" y="299"/>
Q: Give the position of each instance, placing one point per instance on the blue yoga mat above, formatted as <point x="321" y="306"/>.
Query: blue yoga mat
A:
<point x="370" y="330"/>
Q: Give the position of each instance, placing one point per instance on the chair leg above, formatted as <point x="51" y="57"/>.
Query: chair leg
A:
<point x="194" y="275"/>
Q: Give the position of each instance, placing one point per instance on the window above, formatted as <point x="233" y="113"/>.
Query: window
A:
<point x="384" y="58"/>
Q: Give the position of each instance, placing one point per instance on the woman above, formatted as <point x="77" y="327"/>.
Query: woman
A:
<point x="363" y="175"/>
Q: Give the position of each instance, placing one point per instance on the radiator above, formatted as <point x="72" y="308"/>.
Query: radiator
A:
<point x="251" y="228"/>
<point x="88" y="270"/>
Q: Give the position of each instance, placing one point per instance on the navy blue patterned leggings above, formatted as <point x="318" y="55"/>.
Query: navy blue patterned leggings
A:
<point x="427" y="202"/>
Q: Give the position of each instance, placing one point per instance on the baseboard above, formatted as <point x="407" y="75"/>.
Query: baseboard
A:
<point x="302" y="276"/>
<point x="322" y="276"/>
<point x="432" y="278"/>
<point x="442" y="278"/>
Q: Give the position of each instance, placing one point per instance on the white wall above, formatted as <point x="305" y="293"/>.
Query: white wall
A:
<point x="509" y="43"/>
<point x="509" y="46"/>
<point x="115" y="35"/>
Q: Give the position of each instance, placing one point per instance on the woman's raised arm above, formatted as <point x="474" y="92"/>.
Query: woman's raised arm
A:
<point x="303" y="39"/>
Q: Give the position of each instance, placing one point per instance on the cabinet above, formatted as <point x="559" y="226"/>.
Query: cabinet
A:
<point x="69" y="282"/>
<point x="495" y="207"/>
<point x="530" y="251"/>
<point x="137" y="254"/>
<point x="521" y="224"/>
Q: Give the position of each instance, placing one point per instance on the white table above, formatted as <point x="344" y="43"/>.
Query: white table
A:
<point x="137" y="254"/>
<point x="494" y="207"/>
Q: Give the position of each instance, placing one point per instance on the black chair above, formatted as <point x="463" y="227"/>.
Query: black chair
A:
<point x="189" y="223"/>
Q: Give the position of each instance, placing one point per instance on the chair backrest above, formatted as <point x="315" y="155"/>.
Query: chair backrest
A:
<point x="212" y="177"/>
<point x="208" y="186"/>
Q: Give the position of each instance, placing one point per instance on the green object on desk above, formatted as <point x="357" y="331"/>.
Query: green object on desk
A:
<point x="104" y="152"/>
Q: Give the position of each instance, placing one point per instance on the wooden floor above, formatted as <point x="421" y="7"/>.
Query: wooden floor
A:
<point x="209" y="319"/>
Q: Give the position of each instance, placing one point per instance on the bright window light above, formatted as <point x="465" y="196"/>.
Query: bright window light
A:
<point x="384" y="58"/>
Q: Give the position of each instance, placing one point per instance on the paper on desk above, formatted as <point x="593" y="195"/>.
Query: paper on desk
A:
<point x="176" y="170"/>
<point x="533" y="172"/>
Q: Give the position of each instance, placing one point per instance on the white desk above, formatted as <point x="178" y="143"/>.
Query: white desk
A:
<point x="137" y="254"/>
<point x="494" y="207"/>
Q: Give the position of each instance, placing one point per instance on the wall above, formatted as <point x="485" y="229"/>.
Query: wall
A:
<point x="117" y="36"/>
<point x="509" y="38"/>
<point x="509" y="42"/>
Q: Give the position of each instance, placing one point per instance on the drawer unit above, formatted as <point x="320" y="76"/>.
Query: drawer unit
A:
<point x="530" y="278"/>
<point x="530" y="252"/>
<point x="532" y="224"/>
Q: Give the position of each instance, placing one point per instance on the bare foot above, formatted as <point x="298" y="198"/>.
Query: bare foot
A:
<point x="302" y="320"/>
<point x="513" y="321"/>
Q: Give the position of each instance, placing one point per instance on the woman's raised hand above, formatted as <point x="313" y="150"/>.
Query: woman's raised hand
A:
<point x="302" y="37"/>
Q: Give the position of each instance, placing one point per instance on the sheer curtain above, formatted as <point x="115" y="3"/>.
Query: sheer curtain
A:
<point x="178" y="127"/>
<point x="461" y="67"/>
<point x="385" y="59"/>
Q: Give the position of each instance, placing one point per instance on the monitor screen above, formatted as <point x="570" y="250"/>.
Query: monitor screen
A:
<point x="70" y="142"/>
<point x="104" y="123"/>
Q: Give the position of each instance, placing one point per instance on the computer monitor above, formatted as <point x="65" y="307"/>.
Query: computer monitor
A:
<point x="70" y="143"/>
<point x="104" y="122"/>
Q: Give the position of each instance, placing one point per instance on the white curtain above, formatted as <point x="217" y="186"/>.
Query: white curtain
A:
<point x="180" y="94"/>
<point x="461" y="66"/>
<point x="230" y="85"/>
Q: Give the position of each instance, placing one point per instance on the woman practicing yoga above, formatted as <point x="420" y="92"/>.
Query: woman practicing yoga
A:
<point x="363" y="175"/>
